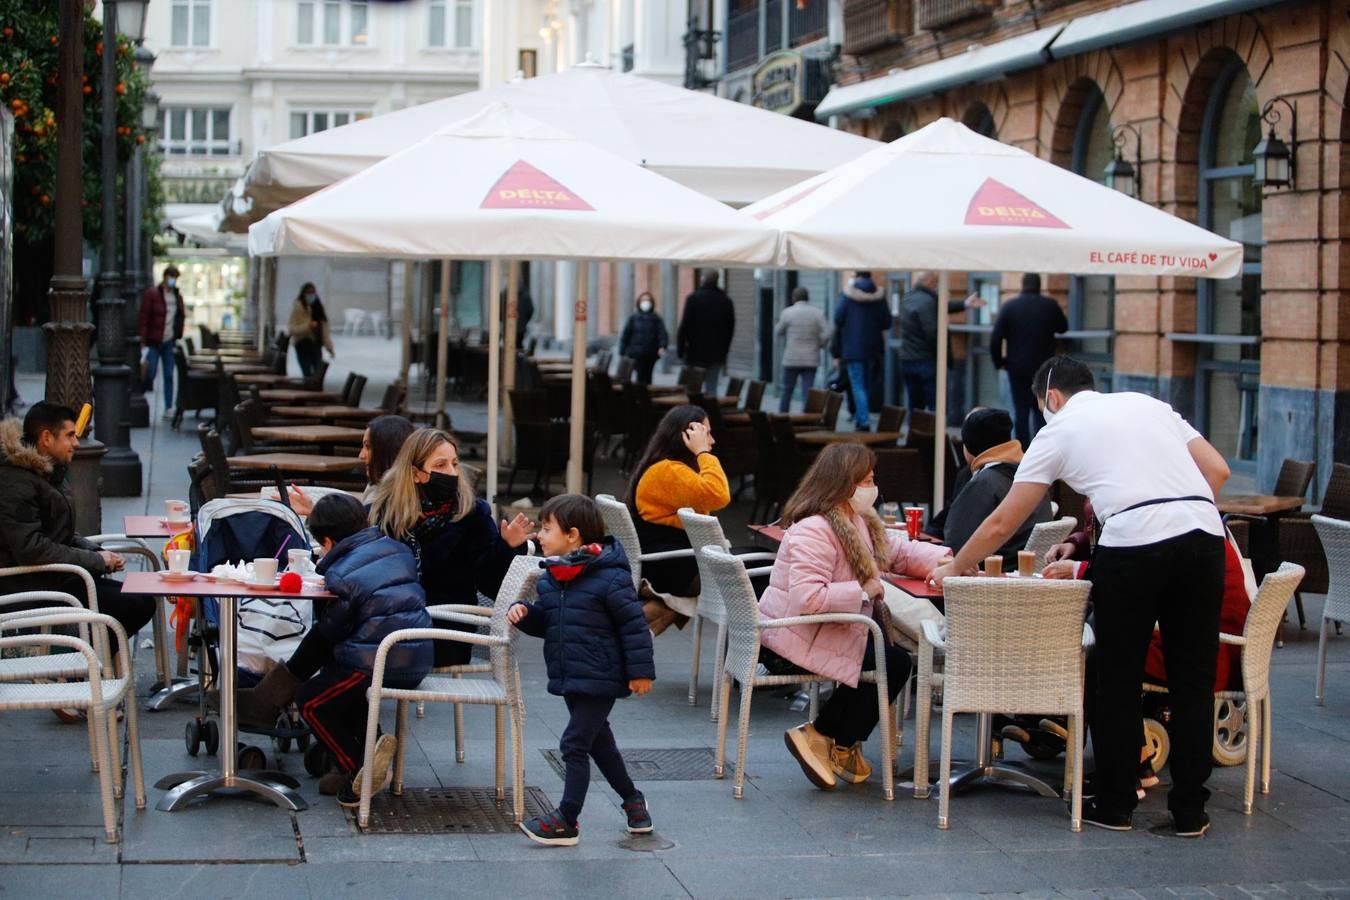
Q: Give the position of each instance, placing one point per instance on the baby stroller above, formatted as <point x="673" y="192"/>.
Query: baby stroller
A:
<point x="268" y="629"/>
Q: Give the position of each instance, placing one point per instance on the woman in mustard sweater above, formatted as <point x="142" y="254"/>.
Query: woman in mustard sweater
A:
<point x="677" y="469"/>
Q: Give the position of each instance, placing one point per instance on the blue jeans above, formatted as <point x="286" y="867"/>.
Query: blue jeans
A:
<point x="157" y="354"/>
<point x="711" y="378"/>
<point x="791" y="374"/>
<point x="921" y="383"/>
<point x="860" y="372"/>
<point x="586" y="737"/>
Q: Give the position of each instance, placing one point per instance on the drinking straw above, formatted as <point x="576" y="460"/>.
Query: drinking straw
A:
<point x="283" y="546"/>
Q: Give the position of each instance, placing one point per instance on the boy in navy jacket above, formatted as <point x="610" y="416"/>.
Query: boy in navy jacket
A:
<point x="597" y="648"/>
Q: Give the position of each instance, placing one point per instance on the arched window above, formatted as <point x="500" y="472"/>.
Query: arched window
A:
<point x="1228" y="313"/>
<point x="1092" y="297"/>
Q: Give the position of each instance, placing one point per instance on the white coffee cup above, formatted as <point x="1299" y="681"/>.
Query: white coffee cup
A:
<point x="299" y="561"/>
<point x="178" y="560"/>
<point x="264" y="571"/>
<point x="176" y="512"/>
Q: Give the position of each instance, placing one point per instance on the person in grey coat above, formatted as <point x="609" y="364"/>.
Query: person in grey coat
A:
<point x="918" y="337"/>
<point x="805" y="332"/>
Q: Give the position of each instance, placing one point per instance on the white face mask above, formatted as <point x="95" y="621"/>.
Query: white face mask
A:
<point x="645" y="306"/>
<point x="864" y="498"/>
<point x="1046" y="411"/>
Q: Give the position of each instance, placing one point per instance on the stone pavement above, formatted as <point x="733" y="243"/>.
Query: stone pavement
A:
<point x="784" y="839"/>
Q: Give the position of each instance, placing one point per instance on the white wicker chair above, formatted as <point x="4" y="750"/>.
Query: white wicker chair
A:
<point x="706" y="531"/>
<point x="1012" y="645"/>
<point x="1257" y="641"/>
<point x="1335" y="537"/>
<point x="1047" y="534"/>
<point x="502" y="690"/>
<point x="743" y="633"/>
<point x="97" y="693"/>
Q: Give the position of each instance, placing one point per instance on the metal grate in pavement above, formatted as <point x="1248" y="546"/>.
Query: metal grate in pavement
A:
<point x="449" y="811"/>
<point x="644" y="764"/>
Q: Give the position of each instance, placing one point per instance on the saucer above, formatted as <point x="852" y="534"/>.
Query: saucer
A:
<point x="178" y="576"/>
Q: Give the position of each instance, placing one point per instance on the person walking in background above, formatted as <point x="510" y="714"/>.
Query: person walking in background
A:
<point x="862" y="319"/>
<point x="159" y="325"/>
<point x="704" y="336"/>
<point x="1028" y="323"/>
<point x="805" y="331"/>
<point x="644" y="338"/>
<point x="309" y="329"/>
<point x="918" y="337"/>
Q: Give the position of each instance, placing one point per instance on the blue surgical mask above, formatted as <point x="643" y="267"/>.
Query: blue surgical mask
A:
<point x="171" y="282"/>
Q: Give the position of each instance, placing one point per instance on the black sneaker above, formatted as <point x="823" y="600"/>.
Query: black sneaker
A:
<point x="1092" y="787"/>
<point x="551" y="829"/>
<point x="1101" y="818"/>
<point x="1191" y="826"/>
<point x="639" y="818"/>
<point x="346" y="797"/>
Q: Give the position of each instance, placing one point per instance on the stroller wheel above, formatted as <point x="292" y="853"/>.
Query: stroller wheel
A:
<point x="316" y="760"/>
<point x="1158" y="742"/>
<point x="252" y="758"/>
<point x="1230" y="731"/>
<point x="283" y="742"/>
<point x="211" y="736"/>
<point x="192" y="736"/>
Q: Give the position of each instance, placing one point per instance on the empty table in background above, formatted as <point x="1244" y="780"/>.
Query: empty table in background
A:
<point x="310" y="464"/>
<point x="327" y="412"/>
<point x="150" y="527"/>
<point x="299" y="395"/>
<point x="867" y="438"/>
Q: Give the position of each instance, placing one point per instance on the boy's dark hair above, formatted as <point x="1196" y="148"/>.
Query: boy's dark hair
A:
<point x="1031" y="283"/>
<point x="986" y="427"/>
<point x="575" y="511"/>
<point x="1063" y="373"/>
<point x="336" y="517"/>
<point x="44" y="416"/>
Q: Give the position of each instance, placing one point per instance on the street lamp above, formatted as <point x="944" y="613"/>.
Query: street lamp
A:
<point x="121" y="467"/>
<point x="131" y="18"/>
<point x="136" y="265"/>
<point x="1275" y="161"/>
<point x="1119" y="174"/>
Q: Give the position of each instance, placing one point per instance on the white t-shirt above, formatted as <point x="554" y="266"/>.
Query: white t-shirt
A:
<point x="1119" y="450"/>
<point x="170" y="313"/>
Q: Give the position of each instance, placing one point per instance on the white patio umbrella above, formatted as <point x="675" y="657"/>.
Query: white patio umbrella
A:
<point x="947" y="199"/>
<point x="732" y="152"/>
<point x="502" y="185"/>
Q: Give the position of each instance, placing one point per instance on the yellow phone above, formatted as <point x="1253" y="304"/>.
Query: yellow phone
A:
<point x="82" y="422"/>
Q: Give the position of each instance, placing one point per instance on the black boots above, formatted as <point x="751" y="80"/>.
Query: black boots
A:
<point x="259" y="706"/>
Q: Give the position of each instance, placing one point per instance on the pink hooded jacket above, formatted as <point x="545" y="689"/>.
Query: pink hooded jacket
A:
<point x="812" y="575"/>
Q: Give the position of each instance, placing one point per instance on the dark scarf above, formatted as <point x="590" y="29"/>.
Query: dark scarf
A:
<point x="435" y="519"/>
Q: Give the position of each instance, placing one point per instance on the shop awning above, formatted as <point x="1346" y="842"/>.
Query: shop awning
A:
<point x="1144" y="19"/>
<point x="980" y="62"/>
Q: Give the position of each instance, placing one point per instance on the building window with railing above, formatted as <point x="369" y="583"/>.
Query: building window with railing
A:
<point x="332" y="23"/>
<point x="190" y="23"/>
<point x="742" y="33"/>
<point x="309" y="121"/>
<point x="196" y="131"/>
<point x="451" y="24"/>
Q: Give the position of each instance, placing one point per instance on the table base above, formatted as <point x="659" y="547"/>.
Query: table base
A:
<point x="178" y="687"/>
<point x="183" y="787"/>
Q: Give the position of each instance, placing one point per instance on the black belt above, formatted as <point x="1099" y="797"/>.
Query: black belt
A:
<point x="1155" y="502"/>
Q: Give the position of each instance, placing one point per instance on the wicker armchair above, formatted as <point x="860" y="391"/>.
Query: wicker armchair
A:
<point x="1012" y="645"/>
<point x="706" y="531"/>
<point x="1047" y="534"/>
<point x="1335" y="537"/>
<point x="1299" y="542"/>
<point x="742" y="662"/>
<point x="501" y="690"/>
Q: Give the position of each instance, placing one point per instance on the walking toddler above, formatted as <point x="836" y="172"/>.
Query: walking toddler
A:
<point x="597" y="648"/>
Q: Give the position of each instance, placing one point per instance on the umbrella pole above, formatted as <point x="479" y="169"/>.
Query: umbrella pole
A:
<point x="405" y="362"/>
<point x="509" y="355"/>
<point x="494" y="375"/>
<point x="940" y="414"/>
<point x="576" y="443"/>
<point x="442" y="344"/>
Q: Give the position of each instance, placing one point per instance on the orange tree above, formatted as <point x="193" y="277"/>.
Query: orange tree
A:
<point x="28" y="75"/>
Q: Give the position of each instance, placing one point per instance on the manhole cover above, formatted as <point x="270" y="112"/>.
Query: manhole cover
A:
<point x="449" y="811"/>
<point x="678" y="764"/>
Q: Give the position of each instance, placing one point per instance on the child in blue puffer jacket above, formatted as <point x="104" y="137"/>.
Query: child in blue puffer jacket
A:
<point x="378" y="593"/>
<point x="597" y="648"/>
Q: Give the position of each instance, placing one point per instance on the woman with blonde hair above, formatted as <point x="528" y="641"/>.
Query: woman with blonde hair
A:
<point x="830" y="561"/>
<point x="423" y="501"/>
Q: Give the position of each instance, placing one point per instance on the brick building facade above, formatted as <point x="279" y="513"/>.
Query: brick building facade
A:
<point x="1260" y="362"/>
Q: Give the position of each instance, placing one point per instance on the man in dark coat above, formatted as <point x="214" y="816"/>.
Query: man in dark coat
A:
<point x="37" y="524"/>
<point x="644" y="338"/>
<point x="159" y="325"/>
<point x="1028" y="323"/>
<point x="704" y="336"/>
<point x="861" y="320"/>
<point x="918" y="337"/>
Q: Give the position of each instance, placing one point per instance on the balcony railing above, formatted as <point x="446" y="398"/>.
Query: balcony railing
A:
<point x="870" y="24"/>
<point x="808" y="20"/>
<point x="773" y="25"/>
<point x="742" y="39"/>
<point x="935" y="14"/>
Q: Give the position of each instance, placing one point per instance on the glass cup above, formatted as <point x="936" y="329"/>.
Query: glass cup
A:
<point x="1026" y="563"/>
<point x="264" y="571"/>
<point x="890" y="512"/>
<point x="913" y="521"/>
<point x="178" y="560"/>
<point x="993" y="566"/>
<point x="176" y="513"/>
<point x="299" y="561"/>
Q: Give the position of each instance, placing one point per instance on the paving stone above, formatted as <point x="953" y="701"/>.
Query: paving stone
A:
<point x="213" y="882"/>
<point x="60" y="882"/>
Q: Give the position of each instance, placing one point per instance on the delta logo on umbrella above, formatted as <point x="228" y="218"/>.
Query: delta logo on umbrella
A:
<point x="524" y="187"/>
<point x="997" y="204"/>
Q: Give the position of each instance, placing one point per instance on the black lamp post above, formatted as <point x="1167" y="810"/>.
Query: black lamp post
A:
<point x="1275" y="161"/>
<point x="135" y="267"/>
<point x="1120" y="174"/>
<point x="121" y="467"/>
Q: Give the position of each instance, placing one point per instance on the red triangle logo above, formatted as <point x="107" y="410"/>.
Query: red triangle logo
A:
<point x="524" y="187"/>
<point x="997" y="204"/>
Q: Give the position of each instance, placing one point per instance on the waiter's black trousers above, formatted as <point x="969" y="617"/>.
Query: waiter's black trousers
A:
<point x="1179" y="584"/>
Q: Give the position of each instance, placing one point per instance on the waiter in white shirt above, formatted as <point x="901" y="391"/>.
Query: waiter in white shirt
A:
<point x="1152" y="479"/>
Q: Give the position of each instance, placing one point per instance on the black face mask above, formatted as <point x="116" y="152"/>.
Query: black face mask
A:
<point x="442" y="489"/>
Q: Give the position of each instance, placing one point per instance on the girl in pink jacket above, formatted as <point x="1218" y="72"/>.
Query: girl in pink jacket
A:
<point x="830" y="561"/>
